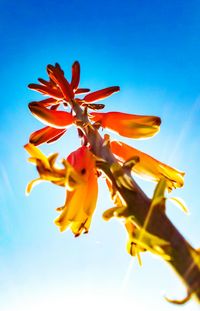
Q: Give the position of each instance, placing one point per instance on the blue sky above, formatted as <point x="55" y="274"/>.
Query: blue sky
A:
<point x="151" y="50"/>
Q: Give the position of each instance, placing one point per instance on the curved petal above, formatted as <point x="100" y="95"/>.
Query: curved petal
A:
<point x="128" y="125"/>
<point x="46" y="90"/>
<point x="101" y="94"/>
<point x="75" y="75"/>
<point x="36" y="153"/>
<point x="49" y="102"/>
<point x="148" y="167"/>
<point x="53" y="118"/>
<point x="46" y="134"/>
<point x="32" y="184"/>
<point x="180" y="203"/>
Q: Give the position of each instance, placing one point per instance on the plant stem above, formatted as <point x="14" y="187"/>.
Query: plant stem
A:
<point x="184" y="259"/>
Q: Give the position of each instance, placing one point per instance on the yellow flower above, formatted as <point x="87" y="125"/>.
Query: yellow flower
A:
<point x="80" y="179"/>
<point x="81" y="202"/>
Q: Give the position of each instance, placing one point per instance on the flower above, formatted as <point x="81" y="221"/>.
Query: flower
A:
<point x="128" y="125"/>
<point x="79" y="175"/>
<point x="46" y="134"/>
<point x="61" y="92"/>
<point x="80" y="179"/>
<point x="81" y="202"/>
<point x="148" y="167"/>
<point x="53" y="118"/>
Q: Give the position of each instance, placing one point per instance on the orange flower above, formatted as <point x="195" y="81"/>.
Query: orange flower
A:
<point x="148" y="167"/>
<point x="78" y="176"/>
<point x="53" y="118"/>
<point x="128" y="125"/>
<point x="81" y="202"/>
<point x="101" y="94"/>
<point x="57" y="76"/>
<point x="61" y="92"/>
<point x="60" y="89"/>
<point x="46" y="134"/>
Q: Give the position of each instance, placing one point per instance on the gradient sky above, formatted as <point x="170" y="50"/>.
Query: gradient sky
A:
<point x="151" y="49"/>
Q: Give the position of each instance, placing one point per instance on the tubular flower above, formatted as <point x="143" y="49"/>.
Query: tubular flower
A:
<point x="148" y="167"/>
<point x="128" y="125"/>
<point x="81" y="202"/>
<point x="53" y="118"/>
<point x="46" y="134"/>
<point x="80" y="179"/>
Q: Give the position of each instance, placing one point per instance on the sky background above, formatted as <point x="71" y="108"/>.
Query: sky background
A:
<point x="151" y="50"/>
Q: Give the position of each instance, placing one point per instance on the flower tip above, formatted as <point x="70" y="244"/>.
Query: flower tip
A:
<point x="27" y="193"/>
<point x="58" y="223"/>
<point x="31" y="85"/>
<point x="76" y="63"/>
<point x="33" y="141"/>
<point x="28" y="147"/>
<point x="50" y="67"/>
<point x="101" y="94"/>
<point x="157" y="121"/>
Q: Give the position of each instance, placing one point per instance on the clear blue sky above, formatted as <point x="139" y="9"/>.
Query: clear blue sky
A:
<point x="151" y="50"/>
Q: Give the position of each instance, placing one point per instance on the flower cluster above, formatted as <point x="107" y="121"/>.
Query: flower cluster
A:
<point x="64" y="107"/>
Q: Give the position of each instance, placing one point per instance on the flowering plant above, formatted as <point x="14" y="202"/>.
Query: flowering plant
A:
<point x="144" y="219"/>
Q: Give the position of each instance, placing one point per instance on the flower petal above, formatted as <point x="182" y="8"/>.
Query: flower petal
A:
<point x="83" y="161"/>
<point x="81" y="202"/>
<point x="46" y="134"/>
<point x="32" y="184"/>
<point x="46" y="90"/>
<point x="148" y="167"/>
<point x="36" y="153"/>
<point x="49" y="102"/>
<point x="75" y="75"/>
<point x="128" y="125"/>
<point x="79" y="207"/>
<point x="82" y="91"/>
<point x="101" y="94"/>
<point x="56" y="137"/>
<point x="47" y="83"/>
<point x="53" y="118"/>
<point x="180" y="203"/>
<point x="56" y="74"/>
